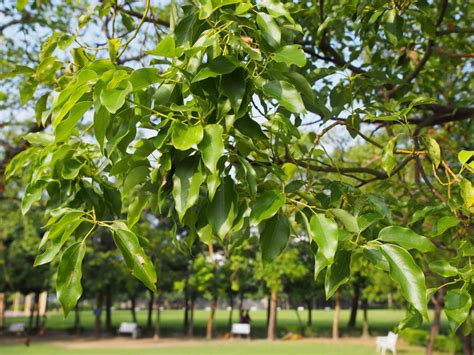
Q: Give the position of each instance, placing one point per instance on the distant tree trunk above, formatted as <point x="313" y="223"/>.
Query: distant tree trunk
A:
<point x="210" y="320"/>
<point x="354" y="305"/>
<point x="98" y="314"/>
<point x="191" y="318"/>
<point x="231" y="305"/>
<point x="108" y="311"/>
<point x="158" y="318"/>
<point x="186" y="306"/>
<point x="241" y="302"/>
<point x="151" y="301"/>
<point x="435" y="327"/>
<point x="466" y="340"/>
<point x="309" y="305"/>
<point x="390" y="300"/>
<point x="32" y="314"/>
<point x="2" y="309"/>
<point x="272" y="319"/>
<point x="77" y="319"/>
<point x="337" y="310"/>
<point x="365" y="326"/>
<point x="36" y="308"/>
<point x="269" y="301"/>
<point x="134" y="305"/>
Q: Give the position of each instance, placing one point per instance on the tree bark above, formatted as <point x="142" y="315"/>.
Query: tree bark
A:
<point x="32" y="313"/>
<point x="3" y="298"/>
<point x="108" y="311"/>
<point x="37" y="311"/>
<point x="337" y="310"/>
<point x="151" y="301"/>
<point x="365" y="326"/>
<point x="186" y="306"/>
<point x="77" y="319"/>
<point x="309" y="305"/>
<point x="210" y="320"/>
<point x="354" y="306"/>
<point x="158" y="319"/>
<point x="435" y="327"/>
<point x="191" y="318"/>
<point x="98" y="315"/>
<point x="272" y="319"/>
<point x="134" y="305"/>
<point x="231" y="305"/>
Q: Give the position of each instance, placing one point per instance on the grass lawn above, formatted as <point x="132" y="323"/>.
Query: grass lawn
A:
<point x="211" y="348"/>
<point x="381" y="321"/>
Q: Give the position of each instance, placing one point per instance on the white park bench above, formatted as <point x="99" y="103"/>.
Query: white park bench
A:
<point x="387" y="343"/>
<point x="129" y="328"/>
<point x="241" y="329"/>
<point x="16" y="328"/>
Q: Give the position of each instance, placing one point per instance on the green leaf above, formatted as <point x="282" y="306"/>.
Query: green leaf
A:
<point x="184" y="137"/>
<point x="251" y="176"/>
<point x="135" y="177"/>
<point x="136" y="208"/>
<point x="274" y="237"/>
<point x="406" y="238"/>
<point x="144" y="77"/>
<point x="135" y="258"/>
<point x="388" y="159"/>
<point x="114" y="99"/>
<point x="324" y="232"/>
<point x="376" y="257"/>
<point x="467" y="192"/>
<point x="21" y="4"/>
<point x="290" y="54"/>
<point x="408" y="275"/>
<point x="166" y="48"/>
<point x="233" y="86"/>
<point x="222" y="210"/>
<point x="285" y="94"/>
<point x="65" y="127"/>
<point x="457" y="306"/>
<point x="218" y="66"/>
<point x="32" y="194"/>
<point x="446" y="222"/>
<point x="320" y="262"/>
<point x="338" y="273"/>
<point x="270" y="30"/>
<point x="348" y="220"/>
<point x="266" y="206"/>
<point x="114" y="46"/>
<point x="434" y="151"/>
<point x="187" y="180"/>
<point x="101" y="123"/>
<point x="68" y="281"/>
<point x="465" y="155"/>
<point x="27" y="90"/>
<point x="212" y="146"/>
<point x="394" y="26"/>
<point x="443" y="268"/>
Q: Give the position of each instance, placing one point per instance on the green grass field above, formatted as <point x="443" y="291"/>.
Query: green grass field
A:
<point x="380" y="321"/>
<point x="229" y="348"/>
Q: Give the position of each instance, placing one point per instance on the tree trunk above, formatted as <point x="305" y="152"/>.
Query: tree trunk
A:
<point x="390" y="300"/>
<point x="365" y="326"/>
<point x="231" y="305"/>
<point x="77" y="319"/>
<point x="191" y="319"/>
<point x="354" y="306"/>
<point x="134" y="313"/>
<point x="309" y="304"/>
<point x="32" y="313"/>
<point x="37" y="311"/>
<point x="2" y="310"/>
<point x="158" y="319"/>
<point x="272" y="319"/>
<point x="241" y="302"/>
<point x="151" y="301"/>
<point x="210" y="320"/>
<point x="98" y="314"/>
<point x="108" y="311"/>
<point x="337" y="310"/>
<point x="435" y="327"/>
<point x="186" y="306"/>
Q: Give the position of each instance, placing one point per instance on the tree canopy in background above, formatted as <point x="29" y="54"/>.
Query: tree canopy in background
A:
<point x="345" y="125"/>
